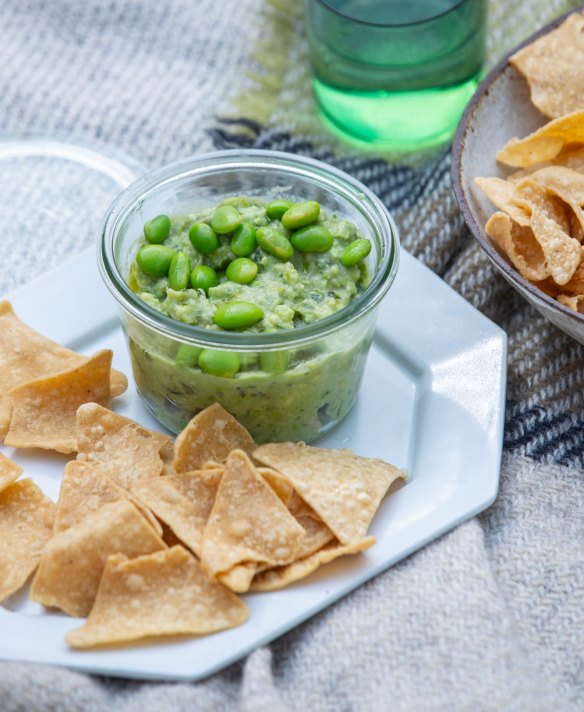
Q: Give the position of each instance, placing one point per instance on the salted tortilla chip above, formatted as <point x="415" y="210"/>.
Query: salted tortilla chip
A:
<point x="299" y="508"/>
<point x="576" y="229"/>
<point x="569" y="158"/>
<point x="278" y="483"/>
<point x="182" y="502"/>
<point x="316" y="535"/>
<point x="43" y="413"/>
<point x="166" y="593"/>
<point x="26" y="525"/>
<point x="510" y="197"/>
<point x="575" y="285"/>
<point x="562" y="253"/>
<point x="25" y="354"/>
<point x="344" y="489"/>
<point x="564" y="183"/>
<point x="282" y="576"/>
<point x="248" y="522"/>
<point x="210" y="436"/>
<point x="120" y="447"/>
<point x="239" y="578"/>
<point x="118" y="383"/>
<point x="73" y="561"/>
<point x="552" y="65"/>
<point x="167" y="455"/>
<point x="544" y="144"/>
<point x="9" y="472"/>
<point x="549" y="287"/>
<point x="501" y="193"/>
<point x="575" y="303"/>
<point x="531" y="191"/>
<point x="84" y="489"/>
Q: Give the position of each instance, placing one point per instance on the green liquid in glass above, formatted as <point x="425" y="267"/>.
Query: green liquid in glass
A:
<point x="395" y="86"/>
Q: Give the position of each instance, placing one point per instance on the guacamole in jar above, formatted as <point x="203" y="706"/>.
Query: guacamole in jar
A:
<point x="249" y="266"/>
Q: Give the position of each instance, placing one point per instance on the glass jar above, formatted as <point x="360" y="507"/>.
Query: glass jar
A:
<point x="294" y="384"/>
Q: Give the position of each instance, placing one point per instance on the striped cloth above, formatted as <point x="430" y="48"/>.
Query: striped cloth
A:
<point x="490" y="616"/>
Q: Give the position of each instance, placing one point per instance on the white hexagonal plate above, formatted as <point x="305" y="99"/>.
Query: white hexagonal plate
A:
<point x="432" y="400"/>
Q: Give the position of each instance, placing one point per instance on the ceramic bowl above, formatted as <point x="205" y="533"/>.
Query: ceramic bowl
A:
<point x="500" y="109"/>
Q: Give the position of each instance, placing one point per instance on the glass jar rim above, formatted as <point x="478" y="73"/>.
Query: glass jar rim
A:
<point x="215" y="162"/>
<point x="392" y="25"/>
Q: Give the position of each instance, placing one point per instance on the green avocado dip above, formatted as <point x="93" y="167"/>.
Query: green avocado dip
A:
<point x="248" y="266"/>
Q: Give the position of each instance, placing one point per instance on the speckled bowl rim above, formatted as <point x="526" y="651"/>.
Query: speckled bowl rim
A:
<point x="458" y="147"/>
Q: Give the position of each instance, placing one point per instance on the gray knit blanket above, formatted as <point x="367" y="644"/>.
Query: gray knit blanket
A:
<point x="489" y="617"/>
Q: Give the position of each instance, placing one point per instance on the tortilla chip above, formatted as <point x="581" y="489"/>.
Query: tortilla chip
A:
<point x="166" y="593"/>
<point x="73" y="561"/>
<point x="210" y="436"/>
<point x="552" y="66"/>
<point x="509" y="197"/>
<point x="9" y="472"/>
<point x="166" y="455"/>
<point x="569" y="158"/>
<point x="576" y="229"/>
<point x="122" y="449"/>
<point x="531" y="191"/>
<point x="277" y="578"/>
<point x="239" y="578"/>
<point x="299" y="508"/>
<point x="248" y="522"/>
<point x="84" y="489"/>
<point x="26" y="355"/>
<point x="501" y="193"/>
<point x="575" y="303"/>
<point x="544" y="144"/>
<point x="182" y="502"/>
<point x="43" y="413"/>
<point x="344" y="489"/>
<point x="549" y="287"/>
<point x="519" y="244"/>
<point x="317" y="534"/>
<point x="564" y="183"/>
<point x="26" y="525"/>
<point x="278" y="483"/>
<point x="562" y="253"/>
<point x="575" y="285"/>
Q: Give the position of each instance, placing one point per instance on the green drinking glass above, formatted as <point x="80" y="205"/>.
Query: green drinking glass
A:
<point x="395" y="74"/>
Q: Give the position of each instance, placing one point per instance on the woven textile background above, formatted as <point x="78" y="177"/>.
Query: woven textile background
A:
<point x="490" y="617"/>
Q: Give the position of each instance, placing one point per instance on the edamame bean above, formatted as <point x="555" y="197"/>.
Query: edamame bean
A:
<point x="274" y="361"/>
<point x="219" y="363"/>
<point x="249" y="361"/>
<point x="355" y="252"/>
<point x="272" y="240"/>
<point x="154" y="260"/>
<point x="203" y="239"/>
<point x="242" y="270"/>
<point x="157" y="229"/>
<point x="187" y="356"/>
<point x="179" y="271"/>
<point x="225" y="219"/>
<point x="243" y="242"/>
<point x="237" y="315"/>
<point x="277" y="208"/>
<point x="204" y="277"/>
<point x="312" y="238"/>
<point x="301" y="214"/>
